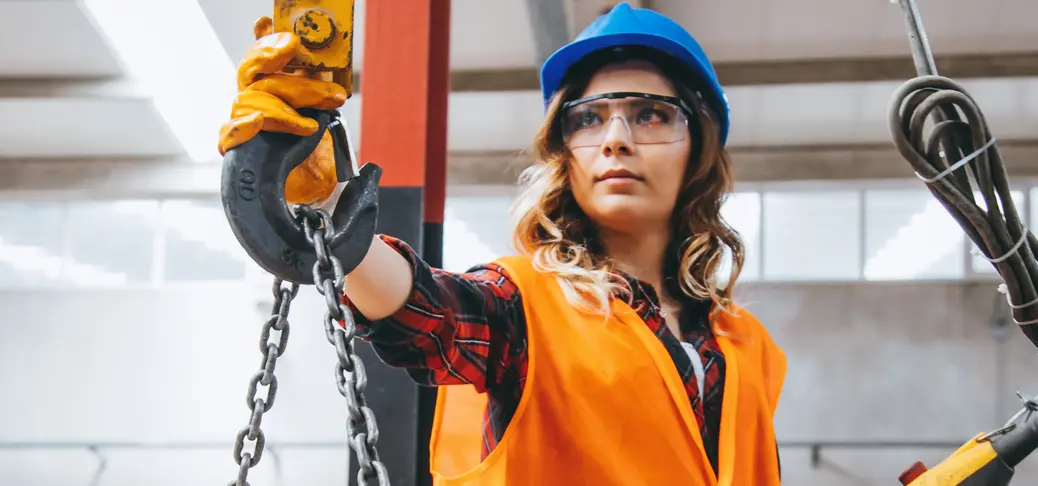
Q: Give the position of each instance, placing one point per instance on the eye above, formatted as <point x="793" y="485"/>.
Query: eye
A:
<point x="584" y="119"/>
<point x="652" y="116"/>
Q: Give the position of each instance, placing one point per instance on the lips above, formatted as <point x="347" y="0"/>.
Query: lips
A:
<point x="618" y="174"/>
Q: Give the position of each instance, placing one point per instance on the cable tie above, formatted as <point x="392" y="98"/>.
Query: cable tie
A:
<point x="1005" y="290"/>
<point x="1012" y="251"/>
<point x="965" y="160"/>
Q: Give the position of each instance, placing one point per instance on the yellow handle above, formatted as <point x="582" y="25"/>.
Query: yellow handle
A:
<point x="959" y="466"/>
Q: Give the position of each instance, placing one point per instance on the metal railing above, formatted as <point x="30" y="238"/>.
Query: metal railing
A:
<point x="816" y="447"/>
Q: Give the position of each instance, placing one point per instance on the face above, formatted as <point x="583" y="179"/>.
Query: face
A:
<point x="627" y="181"/>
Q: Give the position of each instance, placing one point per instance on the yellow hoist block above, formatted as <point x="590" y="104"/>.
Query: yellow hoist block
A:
<point x="325" y="28"/>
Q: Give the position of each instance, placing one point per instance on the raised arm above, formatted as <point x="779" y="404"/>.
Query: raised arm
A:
<point x="445" y="328"/>
<point x="382" y="283"/>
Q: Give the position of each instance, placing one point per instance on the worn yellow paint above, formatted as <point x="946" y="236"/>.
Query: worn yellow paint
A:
<point x="958" y="467"/>
<point x="325" y="28"/>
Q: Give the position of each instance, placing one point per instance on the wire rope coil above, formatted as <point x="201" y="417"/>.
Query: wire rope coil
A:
<point x="957" y="158"/>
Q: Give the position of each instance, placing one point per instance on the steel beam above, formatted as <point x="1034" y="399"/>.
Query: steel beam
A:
<point x="50" y="88"/>
<point x="731" y="73"/>
<point x="763" y="164"/>
<point x="178" y="178"/>
<point x="760" y="73"/>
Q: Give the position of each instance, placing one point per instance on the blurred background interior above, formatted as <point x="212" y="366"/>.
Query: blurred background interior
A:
<point x="130" y="315"/>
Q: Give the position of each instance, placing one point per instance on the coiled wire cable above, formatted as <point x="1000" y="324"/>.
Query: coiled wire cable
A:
<point x="956" y="158"/>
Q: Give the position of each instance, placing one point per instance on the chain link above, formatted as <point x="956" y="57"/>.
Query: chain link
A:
<point x="271" y="349"/>
<point x="350" y="376"/>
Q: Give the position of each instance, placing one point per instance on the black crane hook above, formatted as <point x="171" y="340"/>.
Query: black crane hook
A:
<point x="253" y="194"/>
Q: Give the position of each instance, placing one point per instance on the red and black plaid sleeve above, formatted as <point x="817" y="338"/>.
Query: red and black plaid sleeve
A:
<point x="454" y="328"/>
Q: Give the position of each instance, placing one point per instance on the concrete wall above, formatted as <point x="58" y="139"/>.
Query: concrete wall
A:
<point x="890" y="363"/>
<point x="913" y="362"/>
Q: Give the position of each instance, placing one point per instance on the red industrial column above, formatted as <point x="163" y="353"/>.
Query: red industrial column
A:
<point x="404" y="86"/>
<point x="435" y="192"/>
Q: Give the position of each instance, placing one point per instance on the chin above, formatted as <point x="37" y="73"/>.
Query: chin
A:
<point x="622" y="212"/>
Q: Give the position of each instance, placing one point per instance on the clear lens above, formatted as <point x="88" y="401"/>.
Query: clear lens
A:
<point x="648" y="121"/>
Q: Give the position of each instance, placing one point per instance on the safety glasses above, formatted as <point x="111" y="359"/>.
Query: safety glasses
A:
<point x="649" y="118"/>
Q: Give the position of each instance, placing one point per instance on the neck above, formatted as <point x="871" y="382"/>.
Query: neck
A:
<point x="639" y="254"/>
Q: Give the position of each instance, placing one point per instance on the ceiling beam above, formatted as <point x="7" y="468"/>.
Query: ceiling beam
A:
<point x="178" y="178"/>
<point x="47" y="88"/>
<point x="751" y="73"/>
<point x="740" y="73"/>
<point x="763" y="164"/>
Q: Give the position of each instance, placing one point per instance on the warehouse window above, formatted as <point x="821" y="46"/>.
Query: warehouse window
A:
<point x="476" y="230"/>
<point x="742" y="212"/>
<point x="111" y="242"/>
<point x="812" y="235"/>
<point x="31" y="244"/>
<point x="979" y="263"/>
<point x="198" y="245"/>
<point x="909" y="235"/>
<point x="877" y="234"/>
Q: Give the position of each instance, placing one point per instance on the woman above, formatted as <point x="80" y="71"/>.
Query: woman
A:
<point x="608" y="351"/>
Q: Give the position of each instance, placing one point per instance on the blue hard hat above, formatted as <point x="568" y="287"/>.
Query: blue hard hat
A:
<point x="627" y="26"/>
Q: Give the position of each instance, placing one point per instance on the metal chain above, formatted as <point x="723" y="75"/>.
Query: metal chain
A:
<point x="258" y="404"/>
<point x="330" y="280"/>
<point x="350" y="377"/>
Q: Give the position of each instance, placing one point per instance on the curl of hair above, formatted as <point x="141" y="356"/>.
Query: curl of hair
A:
<point x="555" y="233"/>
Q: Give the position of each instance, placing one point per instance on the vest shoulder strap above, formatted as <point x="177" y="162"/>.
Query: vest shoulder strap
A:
<point x="517" y="266"/>
<point x="754" y="342"/>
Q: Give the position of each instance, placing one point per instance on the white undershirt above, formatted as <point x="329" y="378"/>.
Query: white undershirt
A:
<point x="697" y="364"/>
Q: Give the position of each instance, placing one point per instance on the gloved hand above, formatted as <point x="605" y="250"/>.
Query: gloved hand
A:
<point x="267" y="100"/>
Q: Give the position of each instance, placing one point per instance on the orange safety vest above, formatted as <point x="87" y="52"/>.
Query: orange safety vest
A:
<point x="604" y="405"/>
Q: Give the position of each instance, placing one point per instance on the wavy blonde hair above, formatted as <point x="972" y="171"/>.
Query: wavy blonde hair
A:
<point x="560" y="239"/>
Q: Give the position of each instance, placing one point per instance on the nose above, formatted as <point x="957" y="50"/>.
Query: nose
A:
<point x="617" y="139"/>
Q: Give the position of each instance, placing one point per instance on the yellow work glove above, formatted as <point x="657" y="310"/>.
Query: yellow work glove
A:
<point x="267" y="100"/>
